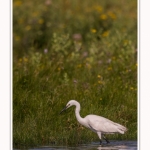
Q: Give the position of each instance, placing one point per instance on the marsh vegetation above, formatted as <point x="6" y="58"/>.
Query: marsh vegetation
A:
<point x="73" y="49"/>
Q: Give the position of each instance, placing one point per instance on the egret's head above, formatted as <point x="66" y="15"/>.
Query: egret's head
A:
<point x="69" y="104"/>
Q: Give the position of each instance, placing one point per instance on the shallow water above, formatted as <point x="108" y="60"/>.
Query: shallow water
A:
<point x="113" y="145"/>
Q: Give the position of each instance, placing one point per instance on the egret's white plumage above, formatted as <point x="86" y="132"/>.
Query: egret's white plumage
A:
<point x="97" y="124"/>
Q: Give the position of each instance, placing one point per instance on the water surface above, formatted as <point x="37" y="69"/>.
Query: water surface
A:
<point x="113" y="145"/>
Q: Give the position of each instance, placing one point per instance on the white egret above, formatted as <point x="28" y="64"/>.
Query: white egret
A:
<point x="97" y="124"/>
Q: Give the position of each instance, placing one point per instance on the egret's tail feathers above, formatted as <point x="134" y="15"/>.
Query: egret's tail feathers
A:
<point x="121" y="129"/>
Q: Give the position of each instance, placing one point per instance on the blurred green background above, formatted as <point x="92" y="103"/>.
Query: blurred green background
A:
<point x="71" y="49"/>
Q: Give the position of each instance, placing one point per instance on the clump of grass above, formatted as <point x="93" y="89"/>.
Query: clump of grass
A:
<point x="85" y="52"/>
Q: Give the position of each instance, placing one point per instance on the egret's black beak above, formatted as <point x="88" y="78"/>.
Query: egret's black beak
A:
<point x="63" y="109"/>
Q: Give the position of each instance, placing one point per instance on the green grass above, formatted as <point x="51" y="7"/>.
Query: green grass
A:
<point x="71" y="49"/>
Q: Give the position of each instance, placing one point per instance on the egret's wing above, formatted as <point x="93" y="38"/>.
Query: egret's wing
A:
<point x="101" y="124"/>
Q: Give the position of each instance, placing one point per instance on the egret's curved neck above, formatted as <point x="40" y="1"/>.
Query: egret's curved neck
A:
<point x="77" y="110"/>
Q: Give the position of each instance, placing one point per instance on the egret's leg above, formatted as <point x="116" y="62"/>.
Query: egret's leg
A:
<point x="99" y="135"/>
<point x="106" y="139"/>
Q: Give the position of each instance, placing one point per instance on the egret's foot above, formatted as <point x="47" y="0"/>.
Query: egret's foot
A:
<point x="106" y="139"/>
<point x="100" y="142"/>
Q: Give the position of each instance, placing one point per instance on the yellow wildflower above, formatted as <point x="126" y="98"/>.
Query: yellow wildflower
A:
<point x="103" y="17"/>
<point x="17" y="3"/>
<point x="131" y="88"/>
<point x="93" y="30"/>
<point x="28" y="28"/>
<point x="100" y="82"/>
<point x="58" y="68"/>
<point x="109" y="68"/>
<point x="112" y="15"/>
<point x="113" y="57"/>
<point x="20" y="60"/>
<point x="105" y="34"/>
<point x="99" y="8"/>
<point x="40" y="21"/>
<point x="99" y="76"/>
<point x="25" y="59"/>
<point x="79" y="66"/>
<point x="17" y="38"/>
